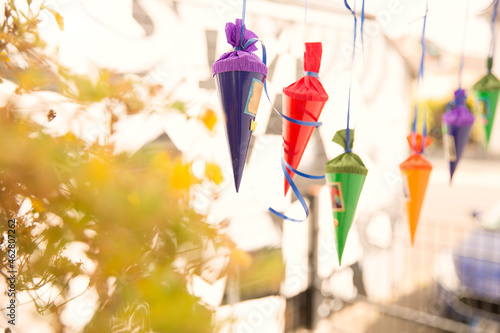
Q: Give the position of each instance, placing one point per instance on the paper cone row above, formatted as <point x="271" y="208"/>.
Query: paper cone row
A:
<point x="486" y="92"/>
<point x="302" y="100"/>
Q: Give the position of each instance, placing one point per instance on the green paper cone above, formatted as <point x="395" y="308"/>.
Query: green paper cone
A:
<point x="487" y="91"/>
<point x="345" y="176"/>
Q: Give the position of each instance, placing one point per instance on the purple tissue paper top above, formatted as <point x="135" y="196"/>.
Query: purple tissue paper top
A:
<point x="459" y="115"/>
<point x="239" y="60"/>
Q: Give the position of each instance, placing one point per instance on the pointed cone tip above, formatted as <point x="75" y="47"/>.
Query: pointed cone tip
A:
<point x="237" y="179"/>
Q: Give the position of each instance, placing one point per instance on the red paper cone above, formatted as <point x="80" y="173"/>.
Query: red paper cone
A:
<point x="303" y="100"/>
<point x="296" y="137"/>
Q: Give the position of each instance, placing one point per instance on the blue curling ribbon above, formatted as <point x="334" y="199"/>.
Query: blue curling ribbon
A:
<point x="297" y="193"/>
<point x="284" y="166"/>
<point x="362" y="25"/>
<point x="347" y="130"/>
<point x="419" y="79"/>
<point x="424" y="132"/>
<point x="493" y="37"/>
<point x="243" y="21"/>
<point x="302" y="174"/>
<point x="462" y="55"/>
<point x="313" y="74"/>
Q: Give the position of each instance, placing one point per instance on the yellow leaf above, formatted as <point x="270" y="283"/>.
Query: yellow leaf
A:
<point x="213" y="173"/>
<point x="58" y="17"/>
<point x="38" y="205"/>
<point x="240" y="258"/>
<point x="209" y="118"/>
<point x="182" y="179"/>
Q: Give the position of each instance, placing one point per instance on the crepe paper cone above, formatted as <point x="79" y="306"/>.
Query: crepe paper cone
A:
<point x="456" y="129"/>
<point x="239" y="77"/>
<point x="345" y="176"/>
<point x="415" y="171"/>
<point x="239" y="95"/>
<point x="303" y="100"/>
<point x="486" y="92"/>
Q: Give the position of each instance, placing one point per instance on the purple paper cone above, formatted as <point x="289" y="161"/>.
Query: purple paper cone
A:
<point x="457" y="123"/>
<point x="455" y="138"/>
<point x="239" y="95"/>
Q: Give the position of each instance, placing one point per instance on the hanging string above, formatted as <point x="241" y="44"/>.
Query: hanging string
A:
<point x="460" y="70"/>
<point x="424" y="131"/>
<point x="419" y="83"/>
<point x="362" y="27"/>
<point x="347" y="131"/>
<point x="243" y="21"/>
<point x="493" y="37"/>
<point x="305" y="21"/>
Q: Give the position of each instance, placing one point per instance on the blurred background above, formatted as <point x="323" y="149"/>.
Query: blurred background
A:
<point x="279" y="276"/>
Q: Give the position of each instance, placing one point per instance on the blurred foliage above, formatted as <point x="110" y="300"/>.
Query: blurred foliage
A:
<point x="262" y="273"/>
<point x="134" y="215"/>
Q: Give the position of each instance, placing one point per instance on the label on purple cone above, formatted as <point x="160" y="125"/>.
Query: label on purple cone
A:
<point x="449" y="147"/>
<point x="337" y="197"/>
<point x="254" y="97"/>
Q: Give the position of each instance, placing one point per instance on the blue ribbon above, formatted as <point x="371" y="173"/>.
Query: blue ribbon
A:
<point x="462" y="55"/>
<point x="420" y="77"/>
<point x="284" y="166"/>
<point x="493" y="37"/>
<point x="302" y="174"/>
<point x="243" y="22"/>
<point x="424" y="132"/>
<point x="313" y="74"/>
<point x="347" y="130"/>
<point x="362" y="25"/>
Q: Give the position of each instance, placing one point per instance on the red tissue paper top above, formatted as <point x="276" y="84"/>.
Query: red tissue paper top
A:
<point x="416" y="139"/>
<point x="309" y="88"/>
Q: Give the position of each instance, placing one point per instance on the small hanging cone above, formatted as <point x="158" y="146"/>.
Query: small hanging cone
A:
<point x="345" y="176"/>
<point x="239" y="76"/>
<point x="416" y="171"/>
<point x="303" y="100"/>
<point x="456" y="129"/>
<point x="486" y="92"/>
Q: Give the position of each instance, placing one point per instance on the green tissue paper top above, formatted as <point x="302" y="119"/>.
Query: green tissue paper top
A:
<point x="347" y="162"/>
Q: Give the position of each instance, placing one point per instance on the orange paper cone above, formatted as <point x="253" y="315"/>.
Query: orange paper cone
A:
<point x="416" y="171"/>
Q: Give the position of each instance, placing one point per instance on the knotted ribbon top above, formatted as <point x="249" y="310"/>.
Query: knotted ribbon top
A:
<point x="417" y="143"/>
<point x="347" y="162"/>
<point x="459" y="115"/>
<point x="309" y="87"/>
<point x="242" y="57"/>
